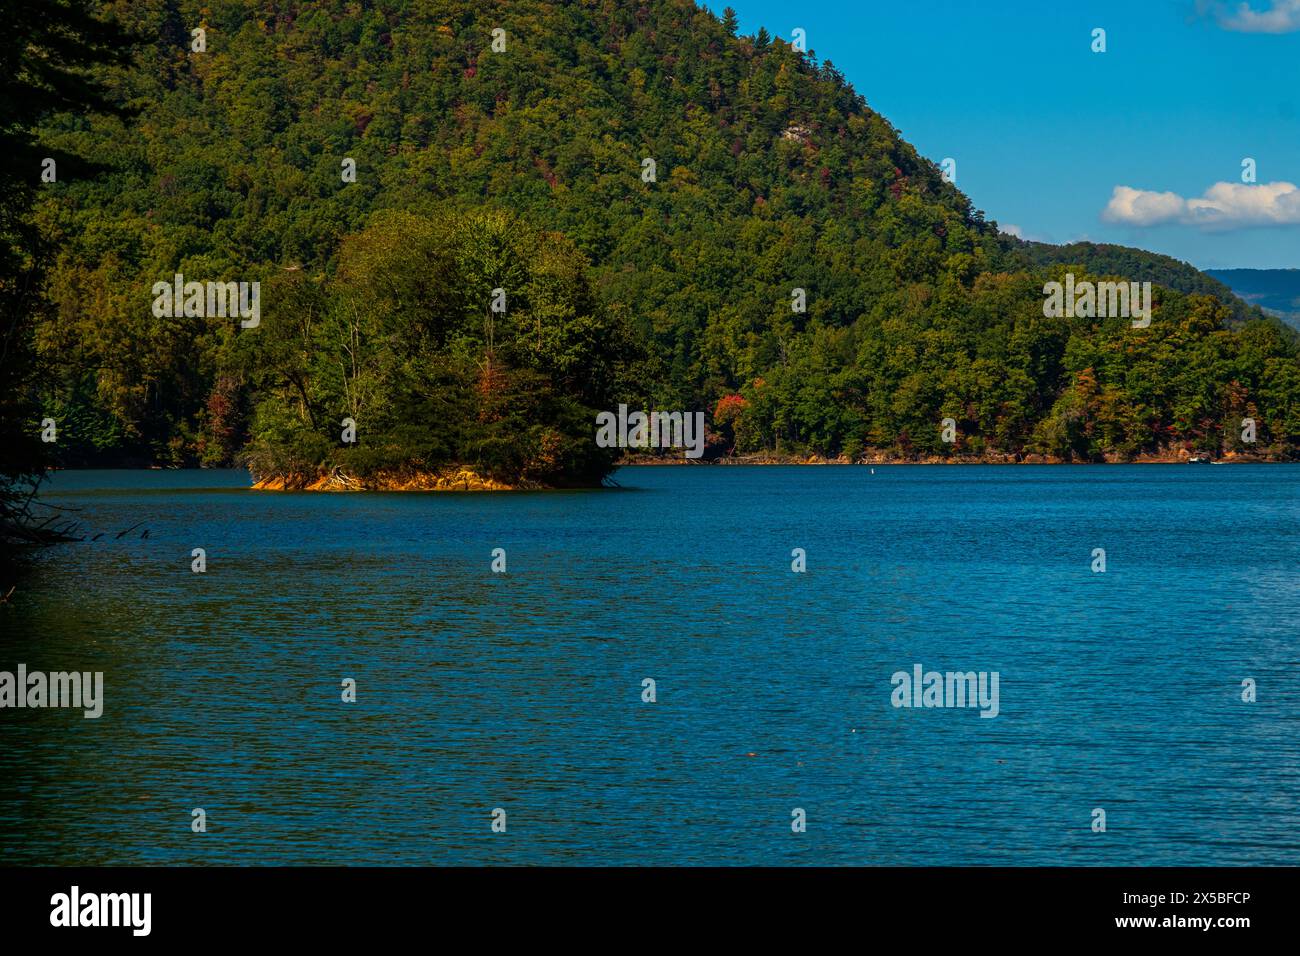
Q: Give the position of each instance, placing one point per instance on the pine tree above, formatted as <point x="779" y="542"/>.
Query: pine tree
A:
<point x="46" y="47"/>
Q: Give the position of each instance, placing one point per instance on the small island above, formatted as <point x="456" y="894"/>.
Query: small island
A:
<point x="460" y="353"/>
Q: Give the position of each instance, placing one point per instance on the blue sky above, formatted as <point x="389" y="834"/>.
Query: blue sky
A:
<point x="1044" y="130"/>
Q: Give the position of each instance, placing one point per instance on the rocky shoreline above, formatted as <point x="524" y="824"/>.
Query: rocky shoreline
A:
<point x="451" y="479"/>
<point x="466" y="479"/>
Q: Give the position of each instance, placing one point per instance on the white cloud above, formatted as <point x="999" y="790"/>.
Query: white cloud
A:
<point x="1223" y="206"/>
<point x="1011" y="230"/>
<point x="1138" y="207"/>
<point x="1277" y="16"/>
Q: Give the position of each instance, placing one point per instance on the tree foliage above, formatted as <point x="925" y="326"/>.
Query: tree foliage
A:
<point x="468" y="341"/>
<point x="772" y="174"/>
<point x="48" y="49"/>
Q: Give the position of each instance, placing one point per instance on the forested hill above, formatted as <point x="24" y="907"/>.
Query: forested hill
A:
<point x="770" y="175"/>
<point x="1140" y="266"/>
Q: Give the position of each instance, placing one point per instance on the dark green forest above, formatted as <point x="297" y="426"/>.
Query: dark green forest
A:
<point x="47" y="55"/>
<point x="522" y="169"/>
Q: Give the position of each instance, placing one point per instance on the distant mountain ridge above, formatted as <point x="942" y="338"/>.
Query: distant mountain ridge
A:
<point x="1276" y="291"/>
<point x="1141" y="266"/>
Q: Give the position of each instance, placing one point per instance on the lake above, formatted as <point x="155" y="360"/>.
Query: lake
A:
<point x="475" y="690"/>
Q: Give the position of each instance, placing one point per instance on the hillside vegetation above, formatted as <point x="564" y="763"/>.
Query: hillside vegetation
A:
<point x="525" y="169"/>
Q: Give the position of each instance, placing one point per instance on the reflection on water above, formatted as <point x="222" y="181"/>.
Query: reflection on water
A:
<point x="523" y="691"/>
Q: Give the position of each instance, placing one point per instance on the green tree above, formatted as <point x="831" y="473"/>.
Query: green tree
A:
<point x="46" y="49"/>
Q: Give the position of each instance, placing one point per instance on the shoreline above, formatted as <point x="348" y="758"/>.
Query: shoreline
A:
<point x="465" y="479"/>
<point x="461" y="479"/>
<point x="817" y="460"/>
<point x="450" y="479"/>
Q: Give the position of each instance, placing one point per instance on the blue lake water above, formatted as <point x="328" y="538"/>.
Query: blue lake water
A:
<point x="522" y="691"/>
